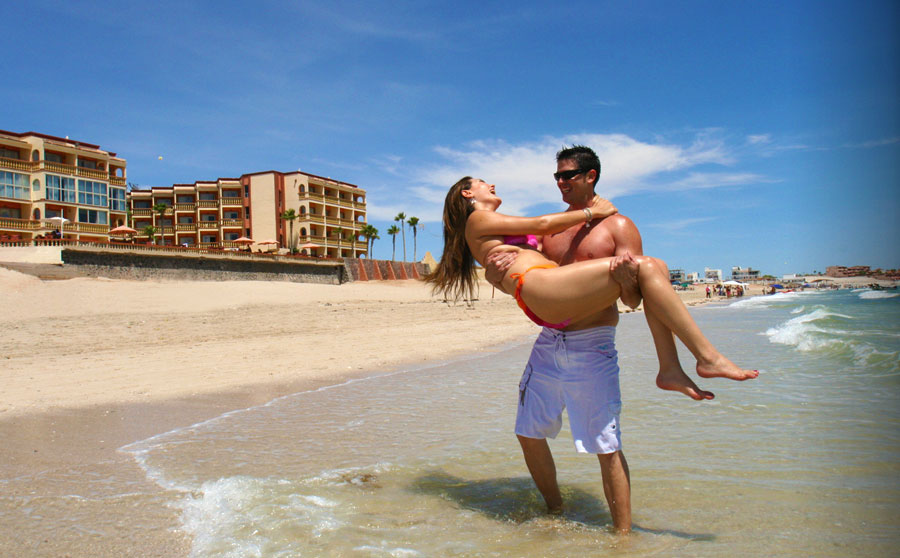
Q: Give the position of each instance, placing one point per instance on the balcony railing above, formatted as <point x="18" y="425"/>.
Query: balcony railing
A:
<point x="60" y="168"/>
<point x="185" y="207"/>
<point x="186" y="226"/>
<point x="208" y="203"/>
<point x="19" y="224"/>
<point x="15" y="164"/>
<point x="207" y="224"/>
<point x="232" y="223"/>
<point x="142" y="212"/>
<point x="10" y="223"/>
<point x="231" y="201"/>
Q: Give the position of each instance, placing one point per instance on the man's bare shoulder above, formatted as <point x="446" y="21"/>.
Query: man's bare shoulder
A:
<point x="625" y="234"/>
<point x="618" y="222"/>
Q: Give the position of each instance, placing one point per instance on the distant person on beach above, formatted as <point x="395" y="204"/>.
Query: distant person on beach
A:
<point x="574" y="363"/>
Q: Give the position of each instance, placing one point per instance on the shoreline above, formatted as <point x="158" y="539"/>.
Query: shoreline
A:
<point x="81" y="380"/>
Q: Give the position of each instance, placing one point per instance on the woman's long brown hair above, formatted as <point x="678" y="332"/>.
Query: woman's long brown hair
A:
<point x="454" y="275"/>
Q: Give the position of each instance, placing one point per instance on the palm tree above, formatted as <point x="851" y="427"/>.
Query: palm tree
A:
<point x="370" y="233"/>
<point x="393" y="230"/>
<point x="413" y="223"/>
<point x="290" y="216"/>
<point x="149" y="230"/>
<point x="373" y="238"/>
<point x="160" y="208"/>
<point x="402" y="218"/>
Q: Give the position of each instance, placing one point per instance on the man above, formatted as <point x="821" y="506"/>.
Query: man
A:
<point x="566" y="369"/>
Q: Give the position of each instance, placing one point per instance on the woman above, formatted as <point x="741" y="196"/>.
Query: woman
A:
<point x="554" y="296"/>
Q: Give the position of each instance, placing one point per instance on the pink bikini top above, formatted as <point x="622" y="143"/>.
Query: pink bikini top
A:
<point x="521" y="239"/>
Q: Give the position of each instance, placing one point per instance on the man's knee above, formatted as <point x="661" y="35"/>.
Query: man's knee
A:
<point x="611" y="459"/>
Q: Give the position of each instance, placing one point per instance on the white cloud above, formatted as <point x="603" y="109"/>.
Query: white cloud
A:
<point x="873" y="143"/>
<point x="680" y="225"/>
<point x="523" y="171"/>
<point x="706" y="180"/>
<point x="759" y="139"/>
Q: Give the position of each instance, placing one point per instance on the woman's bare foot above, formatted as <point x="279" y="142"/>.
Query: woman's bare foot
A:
<point x="721" y="367"/>
<point x="674" y="379"/>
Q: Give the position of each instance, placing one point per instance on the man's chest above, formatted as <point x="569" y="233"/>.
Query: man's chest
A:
<point x="579" y="244"/>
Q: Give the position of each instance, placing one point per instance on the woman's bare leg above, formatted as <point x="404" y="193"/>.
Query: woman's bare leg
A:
<point x="578" y="290"/>
<point x="671" y="375"/>
<point x="668" y="309"/>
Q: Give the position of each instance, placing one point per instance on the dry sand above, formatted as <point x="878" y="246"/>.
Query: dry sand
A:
<point x="89" y="365"/>
<point x="90" y="342"/>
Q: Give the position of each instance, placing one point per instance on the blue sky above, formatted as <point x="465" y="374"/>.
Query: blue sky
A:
<point x="762" y="134"/>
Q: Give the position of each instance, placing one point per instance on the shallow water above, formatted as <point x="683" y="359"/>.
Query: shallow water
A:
<point x="802" y="461"/>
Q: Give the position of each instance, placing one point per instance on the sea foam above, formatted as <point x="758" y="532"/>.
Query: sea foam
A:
<point x="868" y="295"/>
<point x="808" y="331"/>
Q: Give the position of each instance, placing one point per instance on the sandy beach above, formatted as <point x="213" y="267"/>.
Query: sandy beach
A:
<point x="90" y="365"/>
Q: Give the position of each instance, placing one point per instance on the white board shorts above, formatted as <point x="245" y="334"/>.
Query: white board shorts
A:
<point x="578" y="371"/>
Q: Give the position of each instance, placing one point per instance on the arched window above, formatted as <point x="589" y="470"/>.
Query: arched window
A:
<point x="37" y="214"/>
<point x="35" y="155"/>
<point x="302" y="210"/>
<point x="35" y="184"/>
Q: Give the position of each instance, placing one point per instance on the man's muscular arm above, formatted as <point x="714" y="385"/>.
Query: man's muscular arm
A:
<point x="498" y="262"/>
<point x="623" y="268"/>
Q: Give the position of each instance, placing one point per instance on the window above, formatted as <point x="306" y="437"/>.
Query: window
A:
<point x="11" y="212"/>
<point x="231" y="215"/>
<point x="117" y="199"/>
<point x="142" y="204"/>
<point x="232" y="236"/>
<point x="186" y="220"/>
<point x="87" y="164"/>
<point x="60" y="188"/>
<point x="186" y="199"/>
<point x="209" y="238"/>
<point x="208" y="196"/>
<point x="208" y="217"/>
<point x="14" y="185"/>
<point x="9" y="153"/>
<point x="92" y="193"/>
<point x="35" y="184"/>
<point x="92" y="216"/>
<point x="53" y="157"/>
<point x="231" y="193"/>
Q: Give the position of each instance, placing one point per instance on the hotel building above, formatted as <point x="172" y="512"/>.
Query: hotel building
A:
<point x="744" y="274"/>
<point x="844" y="271"/>
<point x="330" y="214"/>
<point x="49" y="183"/>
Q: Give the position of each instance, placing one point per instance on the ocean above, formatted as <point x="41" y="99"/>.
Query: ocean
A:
<point x="802" y="461"/>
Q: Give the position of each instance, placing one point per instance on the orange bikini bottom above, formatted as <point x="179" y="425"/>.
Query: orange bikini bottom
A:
<point x="520" y="281"/>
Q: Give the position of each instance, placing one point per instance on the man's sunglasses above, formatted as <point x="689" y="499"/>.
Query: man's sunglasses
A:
<point x="568" y="175"/>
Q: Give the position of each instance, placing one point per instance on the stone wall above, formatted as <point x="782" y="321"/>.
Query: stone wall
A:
<point x="124" y="265"/>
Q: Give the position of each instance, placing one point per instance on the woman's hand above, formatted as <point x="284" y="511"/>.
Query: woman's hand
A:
<point x="601" y="208"/>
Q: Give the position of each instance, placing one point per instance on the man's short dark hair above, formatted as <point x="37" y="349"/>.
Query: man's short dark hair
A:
<point x="584" y="158"/>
